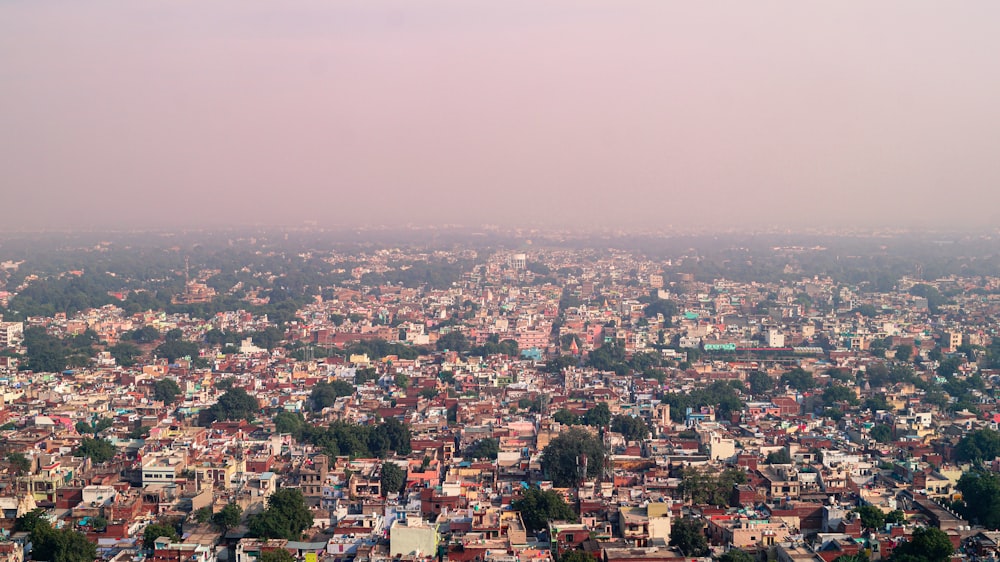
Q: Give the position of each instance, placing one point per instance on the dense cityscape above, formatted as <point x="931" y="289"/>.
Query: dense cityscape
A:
<point x="499" y="395"/>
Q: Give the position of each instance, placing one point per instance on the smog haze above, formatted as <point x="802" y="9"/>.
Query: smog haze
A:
<point x="162" y="114"/>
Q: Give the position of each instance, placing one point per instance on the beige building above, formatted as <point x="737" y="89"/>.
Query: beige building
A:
<point x="412" y="537"/>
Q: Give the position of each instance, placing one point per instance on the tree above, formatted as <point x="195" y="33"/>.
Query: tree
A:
<point x="904" y="352"/>
<point x="780" y="456"/>
<point x="20" y="463"/>
<point x="275" y="555"/>
<point x="325" y="394"/>
<point x="981" y="496"/>
<point x="447" y="377"/>
<point x="124" y="353"/>
<point x="859" y="557"/>
<point x="286" y="516"/>
<point x="736" y="555"/>
<point x="686" y="534"/>
<point x="401" y="380"/>
<point x="871" y="517"/>
<point x="882" y="433"/>
<point x="631" y="428"/>
<point x="928" y="544"/>
<point x="563" y="454"/>
<point x="228" y="517"/>
<point x="235" y="404"/>
<point x="30" y="520"/>
<point x="97" y="450"/>
<point x="979" y="446"/>
<point x="166" y="390"/>
<point x="155" y="531"/>
<point x="799" y="379"/>
<point x="173" y="334"/>
<point x="598" y="416"/>
<point x="949" y="366"/>
<point x="702" y="487"/>
<point x="538" y="507"/>
<point x="288" y="422"/>
<point x="895" y="516"/>
<point x="175" y="349"/>
<point x="453" y="341"/>
<point x="577" y="555"/>
<point x="760" y="383"/>
<point x="146" y="334"/>
<point x="566" y="417"/>
<point x="268" y="338"/>
<point x="837" y="393"/>
<point x="487" y="448"/>
<point x="393" y="478"/>
<point x="203" y="515"/>
<point x="61" y="545"/>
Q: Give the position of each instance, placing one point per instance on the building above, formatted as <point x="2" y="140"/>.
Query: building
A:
<point x="11" y="334"/>
<point x="412" y="537"/>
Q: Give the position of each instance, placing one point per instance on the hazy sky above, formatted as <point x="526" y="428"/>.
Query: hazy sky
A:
<point x="612" y="113"/>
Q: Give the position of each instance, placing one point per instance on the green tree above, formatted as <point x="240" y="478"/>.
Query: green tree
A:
<point x="286" y="516"/>
<point x="949" y="365"/>
<point x="453" y="341"/>
<point x="895" y="516"/>
<point x="289" y="422"/>
<point x="175" y="349"/>
<point x="927" y="544"/>
<point x="155" y="531"/>
<point x="799" y="379"/>
<point x="577" y="555"/>
<point x="325" y="394"/>
<point x="760" y="383"/>
<point x="780" y="456"/>
<point x="393" y="478"/>
<point x="981" y="497"/>
<point x="361" y="376"/>
<point x="882" y="433"/>
<point x="268" y="338"/>
<point x="631" y="428"/>
<point x="702" y="487"/>
<point x="203" y="515"/>
<point x="235" y="404"/>
<point x="538" y="507"/>
<point x="561" y="457"/>
<point x="687" y="535"/>
<point x="146" y="334"/>
<point x="736" y="555"/>
<point x="30" y="520"/>
<point x="173" y="334"/>
<point x="97" y="450"/>
<point x="598" y="416"/>
<point x="125" y="354"/>
<point x="836" y="393"/>
<point x="566" y="417"/>
<point x="401" y="380"/>
<point x="20" y="463"/>
<point x="61" y="545"/>
<point x="275" y="555"/>
<point x="859" y="557"/>
<point x="487" y="448"/>
<point x="166" y="390"/>
<point x="228" y="517"/>
<point x="904" y="352"/>
<point x="982" y="445"/>
<point x="871" y="517"/>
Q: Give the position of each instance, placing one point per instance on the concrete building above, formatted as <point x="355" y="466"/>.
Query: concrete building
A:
<point x="412" y="537"/>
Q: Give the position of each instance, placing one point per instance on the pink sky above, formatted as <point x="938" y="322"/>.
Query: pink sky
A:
<point x="608" y="113"/>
